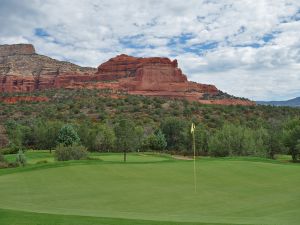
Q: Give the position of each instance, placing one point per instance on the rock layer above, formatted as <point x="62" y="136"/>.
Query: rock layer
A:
<point x="19" y="49"/>
<point x="22" y="70"/>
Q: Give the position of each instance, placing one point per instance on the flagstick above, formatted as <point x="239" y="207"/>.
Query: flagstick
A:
<point x="194" y="147"/>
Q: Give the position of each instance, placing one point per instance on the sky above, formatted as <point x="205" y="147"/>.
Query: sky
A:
<point x="248" y="48"/>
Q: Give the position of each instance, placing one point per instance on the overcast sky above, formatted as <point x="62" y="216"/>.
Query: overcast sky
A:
<point x="248" y="48"/>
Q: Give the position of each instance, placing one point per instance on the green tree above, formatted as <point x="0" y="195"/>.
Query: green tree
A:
<point x="45" y="134"/>
<point x="139" y="135"/>
<point x="15" y="134"/>
<point x="125" y="135"/>
<point x="227" y="141"/>
<point x="105" y="138"/>
<point x="291" y="136"/>
<point x="238" y="140"/>
<point x="87" y="133"/>
<point x="275" y="139"/>
<point x="297" y="148"/>
<point x="68" y="136"/>
<point x="175" y="132"/>
<point x="157" y="141"/>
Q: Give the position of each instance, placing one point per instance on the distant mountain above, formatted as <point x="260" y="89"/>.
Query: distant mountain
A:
<point x="295" y="102"/>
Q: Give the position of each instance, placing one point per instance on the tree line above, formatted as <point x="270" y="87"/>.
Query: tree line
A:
<point x="171" y="135"/>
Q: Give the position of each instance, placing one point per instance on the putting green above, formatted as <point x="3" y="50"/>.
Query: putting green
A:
<point x="241" y="192"/>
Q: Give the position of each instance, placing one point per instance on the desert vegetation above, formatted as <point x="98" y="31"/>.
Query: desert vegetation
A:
<point x="94" y="120"/>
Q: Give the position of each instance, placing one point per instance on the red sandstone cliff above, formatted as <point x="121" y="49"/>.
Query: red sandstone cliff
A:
<point x="22" y="70"/>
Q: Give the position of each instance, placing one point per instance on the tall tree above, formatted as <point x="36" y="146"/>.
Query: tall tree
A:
<point x="125" y="135"/>
<point x="291" y="137"/>
<point x="139" y="135"/>
<point x="175" y="131"/>
<point x="105" y="138"/>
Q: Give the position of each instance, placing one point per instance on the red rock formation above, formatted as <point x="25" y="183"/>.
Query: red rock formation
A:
<point x="149" y="74"/>
<point x="22" y="70"/>
<point x="18" y="49"/>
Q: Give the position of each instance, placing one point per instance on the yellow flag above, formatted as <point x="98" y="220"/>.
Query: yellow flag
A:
<point x="193" y="128"/>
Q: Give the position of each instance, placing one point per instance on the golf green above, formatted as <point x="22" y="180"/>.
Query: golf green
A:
<point x="228" y="191"/>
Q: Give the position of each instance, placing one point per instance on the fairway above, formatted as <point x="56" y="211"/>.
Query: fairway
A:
<point x="228" y="191"/>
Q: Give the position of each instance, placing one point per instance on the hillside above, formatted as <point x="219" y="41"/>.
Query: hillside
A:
<point x="23" y="70"/>
<point x="295" y="102"/>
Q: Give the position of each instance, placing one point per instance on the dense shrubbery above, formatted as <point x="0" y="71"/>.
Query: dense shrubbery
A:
<point x="136" y="123"/>
<point x="238" y="140"/>
<point x="70" y="152"/>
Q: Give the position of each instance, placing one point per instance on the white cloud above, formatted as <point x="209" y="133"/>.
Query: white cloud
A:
<point x="257" y="43"/>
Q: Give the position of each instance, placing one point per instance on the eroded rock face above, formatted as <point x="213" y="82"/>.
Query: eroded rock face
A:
<point x="22" y="70"/>
<point x="18" y="49"/>
<point x="149" y="74"/>
<point x="124" y="66"/>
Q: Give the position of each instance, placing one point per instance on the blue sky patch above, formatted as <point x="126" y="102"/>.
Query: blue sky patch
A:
<point x="181" y="40"/>
<point x="270" y="36"/>
<point x="199" y="49"/>
<point x="40" y="32"/>
<point x="134" y="42"/>
<point x="252" y="45"/>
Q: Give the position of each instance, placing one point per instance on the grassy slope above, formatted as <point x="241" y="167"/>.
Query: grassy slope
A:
<point x="229" y="191"/>
<point x="11" y="217"/>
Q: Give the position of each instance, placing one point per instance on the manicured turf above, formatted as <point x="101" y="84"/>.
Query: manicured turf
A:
<point x="228" y="191"/>
<point x="42" y="156"/>
<point x="11" y="217"/>
<point x="132" y="157"/>
<point x="33" y="157"/>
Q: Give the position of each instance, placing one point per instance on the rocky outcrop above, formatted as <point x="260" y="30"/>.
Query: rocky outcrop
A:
<point x="22" y="70"/>
<point x="151" y="75"/>
<point x="19" y="49"/>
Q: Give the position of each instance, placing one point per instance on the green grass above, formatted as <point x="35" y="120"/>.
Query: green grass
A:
<point x="149" y="189"/>
<point x="132" y="157"/>
<point x="24" y="218"/>
<point x="38" y="156"/>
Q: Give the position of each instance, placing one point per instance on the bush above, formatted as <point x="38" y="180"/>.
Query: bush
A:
<point x="3" y="165"/>
<point x="72" y="152"/>
<point x="42" y="161"/>
<point x="21" y="158"/>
